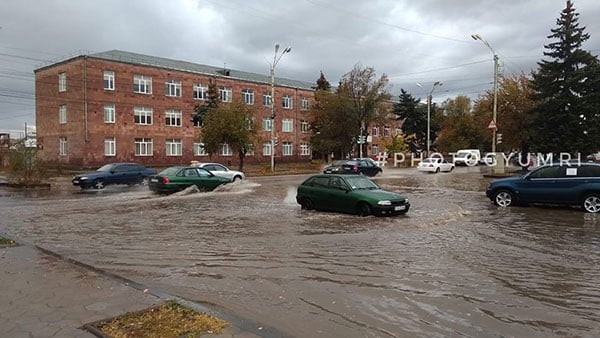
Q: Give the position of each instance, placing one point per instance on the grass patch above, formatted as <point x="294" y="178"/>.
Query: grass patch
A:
<point x="165" y="321"/>
<point x="5" y="242"/>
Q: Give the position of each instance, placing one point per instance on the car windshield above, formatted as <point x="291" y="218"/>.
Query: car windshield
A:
<point x="106" y="167"/>
<point x="360" y="182"/>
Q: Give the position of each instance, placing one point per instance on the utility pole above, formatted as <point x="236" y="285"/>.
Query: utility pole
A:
<point x="272" y="71"/>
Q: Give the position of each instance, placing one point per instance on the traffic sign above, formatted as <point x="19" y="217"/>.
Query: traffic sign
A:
<point x="492" y="125"/>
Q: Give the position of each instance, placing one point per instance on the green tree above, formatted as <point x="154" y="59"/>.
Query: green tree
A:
<point x="23" y="165"/>
<point x="563" y="86"/>
<point x="232" y="124"/>
<point x="201" y="110"/>
<point x="414" y="122"/>
<point x="459" y="130"/>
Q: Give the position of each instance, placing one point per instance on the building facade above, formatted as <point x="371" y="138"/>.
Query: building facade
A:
<point x="119" y="106"/>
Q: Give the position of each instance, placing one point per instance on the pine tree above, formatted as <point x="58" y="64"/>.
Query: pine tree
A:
<point x="415" y="121"/>
<point x="562" y="87"/>
<point x="201" y="111"/>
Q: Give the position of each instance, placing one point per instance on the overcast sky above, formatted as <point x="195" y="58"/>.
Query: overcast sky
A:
<point x="410" y="41"/>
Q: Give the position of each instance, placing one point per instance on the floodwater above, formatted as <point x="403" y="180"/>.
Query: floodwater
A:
<point x="454" y="265"/>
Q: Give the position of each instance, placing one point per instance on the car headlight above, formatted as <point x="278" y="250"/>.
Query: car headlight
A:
<point x="83" y="178"/>
<point x="384" y="203"/>
<point x="406" y="201"/>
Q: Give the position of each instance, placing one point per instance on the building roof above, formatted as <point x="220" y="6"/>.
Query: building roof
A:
<point x="185" y="66"/>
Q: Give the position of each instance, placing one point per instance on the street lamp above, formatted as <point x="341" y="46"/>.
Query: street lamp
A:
<point x="276" y="59"/>
<point x="495" y="108"/>
<point x="429" y="98"/>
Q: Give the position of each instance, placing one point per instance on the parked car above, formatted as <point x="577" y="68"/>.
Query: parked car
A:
<point x="114" y="173"/>
<point x="362" y="166"/>
<point x="435" y="165"/>
<point x="577" y="185"/>
<point x="468" y="157"/>
<point x="355" y="194"/>
<point x="177" y="178"/>
<point x="221" y="170"/>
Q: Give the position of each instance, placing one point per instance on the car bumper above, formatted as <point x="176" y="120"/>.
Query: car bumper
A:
<point x="426" y="169"/>
<point x="390" y="210"/>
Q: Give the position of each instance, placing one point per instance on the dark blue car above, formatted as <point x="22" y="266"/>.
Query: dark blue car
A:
<point x="573" y="184"/>
<point x="114" y="173"/>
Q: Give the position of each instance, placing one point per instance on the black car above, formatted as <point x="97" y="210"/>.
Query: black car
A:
<point x="575" y="184"/>
<point x="365" y="167"/>
<point x="114" y="173"/>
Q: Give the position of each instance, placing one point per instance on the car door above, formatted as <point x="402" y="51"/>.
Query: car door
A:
<point x="337" y="195"/>
<point x="367" y="168"/>
<point x="544" y="185"/>
<point x="118" y="175"/>
<point x="220" y="170"/>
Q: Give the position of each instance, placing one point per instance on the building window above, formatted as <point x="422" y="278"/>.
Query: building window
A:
<point x="387" y="131"/>
<point x="142" y="84"/>
<point x="199" y="149"/>
<point x="173" y="118"/>
<point x="225" y="93"/>
<point x="304" y="104"/>
<point x="267" y="149"/>
<point x="304" y="149"/>
<point x="225" y="150"/>
<point x="375" y="131"/>
<point x="63" y="146"/>
<point x="62" y="82"/>
<point x="287" y="149"/>
<point x="110" y="148"/>
<point x="62" y="114"/>
<point x="109" y="113"/>
<point x="173" y="88"/>
<point x="109" y="80"/>
<point x="250" y="150"/>
<point x="287" y="102"/>
<point x="143" y="146"/>
<point x="305" y="127"/>
<point x="174" y="147"/>
<point x="142" y="115"/>
<point x="267" y="123"/>
<point x="267" y="100"/>
<point x="248" y="96"/>
<point x="287" y="125"/>
<point x="375" y="149"/>
<point x="200" y="92"/>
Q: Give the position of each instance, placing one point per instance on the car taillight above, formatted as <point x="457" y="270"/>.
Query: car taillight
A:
<point x="355" y="168"/>
<point x="165" y="180"/>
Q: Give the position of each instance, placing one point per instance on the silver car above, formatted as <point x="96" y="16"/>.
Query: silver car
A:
<point x="221" y="170"/>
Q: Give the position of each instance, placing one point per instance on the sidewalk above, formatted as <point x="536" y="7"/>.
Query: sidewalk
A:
<point x="42" y="295"/>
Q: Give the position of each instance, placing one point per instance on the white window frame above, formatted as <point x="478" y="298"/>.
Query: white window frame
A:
<point x="304" y="149"/>
<point x="143" y="146"/>
<point x="142" y="84"/>
<point x="287" y="102"/>
<point x="304" y="104"/>
<point x="225" y="150"/>
<point x="226" y="94"/>
<point x="387" y="131"/>
<point x="173" y="118"/>
<point x="174" y="147"/>
<point x="143" y="115"/>
<point x="267" y="99"/>
<point x="287" y="125"/>
<point x="200" y="91"/>
<point x="63" y="146"/>
<point x="374" y="149"/>
<point x="109" y="80"/>
<point x="287" y="149"/>
<point x="62" y="114"/>
<point x="250" y="150"/>
<point x="109" y="113"/>
<point x="173" y="88"/>
<point x="199" y="149"/>
<point x="248" y="96"/>
<point x="375" y="131"/>
<point x="267" y="123"/>
<point x="62" y="82"/>
<point x="110" y="146"/>
<point x="267" y="150"/>
<point x="305" y="127"/>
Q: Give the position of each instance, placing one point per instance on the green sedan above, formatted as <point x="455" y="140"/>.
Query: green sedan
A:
<point x="174" y="179"/>
<point x="354" y="194"/>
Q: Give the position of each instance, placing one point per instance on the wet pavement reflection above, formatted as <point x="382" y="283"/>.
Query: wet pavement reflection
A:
<point x="454" y="265"/>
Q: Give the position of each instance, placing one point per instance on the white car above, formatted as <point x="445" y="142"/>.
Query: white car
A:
<point x="435" y="165"/>
<point x="221" y="170"/>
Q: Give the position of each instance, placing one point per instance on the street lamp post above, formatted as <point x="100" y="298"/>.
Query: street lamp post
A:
<point x="276" y="59"/>
<point x="429" y="99"/>
<point x="495" y="104"/>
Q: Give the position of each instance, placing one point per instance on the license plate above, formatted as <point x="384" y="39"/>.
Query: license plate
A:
<point x="154" y="180"/>
<point x="400" y="207"/>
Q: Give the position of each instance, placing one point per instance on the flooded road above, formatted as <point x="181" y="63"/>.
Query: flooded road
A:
<point x="454" y="265"/>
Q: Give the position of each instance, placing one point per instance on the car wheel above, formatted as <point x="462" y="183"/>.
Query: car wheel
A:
<point x="503" y="198"/>
<point x="363" y="209"/>
<point x="99" y="184"/>
<point x="437" y="170"/>
<point x="307" y="204"/>
<point x="145" y="181"/>
<point x="592" y="203"/>
<point x="235" y="178"/>
<point x="451" y="168"/>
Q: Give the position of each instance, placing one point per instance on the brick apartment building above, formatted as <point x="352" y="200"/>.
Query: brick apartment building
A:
<point x="120" y="106"/>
